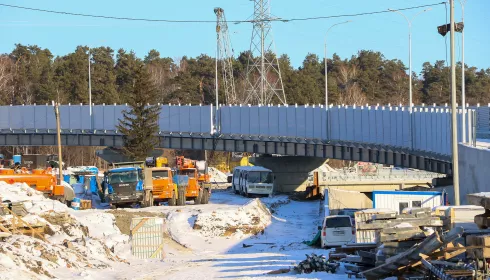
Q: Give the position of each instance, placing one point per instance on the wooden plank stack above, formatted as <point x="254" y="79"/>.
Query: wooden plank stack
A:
<point x="479" y="244"/>
<point x="85" y="204"/>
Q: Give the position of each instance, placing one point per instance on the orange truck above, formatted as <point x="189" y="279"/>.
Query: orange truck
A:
<point x="164" y="189"/>
<point x="39" y="179"/>
<point x="191" y="185"/>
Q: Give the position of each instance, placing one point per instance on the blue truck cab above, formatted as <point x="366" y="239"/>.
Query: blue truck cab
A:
<point x="124" y="185"/>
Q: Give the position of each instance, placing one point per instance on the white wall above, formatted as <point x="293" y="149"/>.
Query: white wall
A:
<point x="474" y="171"/>
<point x="392" y="200"/>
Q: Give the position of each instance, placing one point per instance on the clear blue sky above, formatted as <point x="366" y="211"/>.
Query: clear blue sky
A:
<point x="387" y="33"/>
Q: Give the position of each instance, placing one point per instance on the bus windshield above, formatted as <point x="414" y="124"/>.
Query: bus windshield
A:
<point x="123" y="177"/>
<point x="260" y="177"/>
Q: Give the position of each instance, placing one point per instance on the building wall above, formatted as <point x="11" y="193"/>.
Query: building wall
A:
<point x="340" y="199"/>
<point x="392" y="200"/>
<point x="474" y="171"/>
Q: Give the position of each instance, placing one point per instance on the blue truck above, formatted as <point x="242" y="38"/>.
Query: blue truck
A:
<point x="124" y="186"/>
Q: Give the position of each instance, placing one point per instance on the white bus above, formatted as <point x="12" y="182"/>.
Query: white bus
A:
<point x="252" y="180"/>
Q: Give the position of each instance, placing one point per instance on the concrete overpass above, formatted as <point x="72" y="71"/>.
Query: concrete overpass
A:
<point x="387" y="135"/>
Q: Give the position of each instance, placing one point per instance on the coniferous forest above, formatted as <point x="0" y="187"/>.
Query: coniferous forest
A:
<point x="31" y="74"/>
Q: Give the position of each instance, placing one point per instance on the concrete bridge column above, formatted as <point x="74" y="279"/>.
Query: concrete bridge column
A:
<point x="291" y="171"/>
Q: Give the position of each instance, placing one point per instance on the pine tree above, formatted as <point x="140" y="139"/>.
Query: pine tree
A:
<point x="140" y="122"/>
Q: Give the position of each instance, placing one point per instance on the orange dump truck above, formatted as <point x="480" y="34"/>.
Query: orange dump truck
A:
<point x="164" y="188"/>
<point x="41" y="180"/>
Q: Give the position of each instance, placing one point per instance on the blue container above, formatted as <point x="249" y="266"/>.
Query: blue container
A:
<point x="75" y="204"/>
<point x="66" y="178"/>
<point x="17" y="159"/>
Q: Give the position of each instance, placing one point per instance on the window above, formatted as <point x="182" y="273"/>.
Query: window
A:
<point x="336" y="222"/>
<point x="123" y="177"/>
<point x="159" y="174"/>
<point x="188" y="172"/>
<point x="402" y="205"/>
<point x="417" y="203"/>
<point x="260" y="177"/>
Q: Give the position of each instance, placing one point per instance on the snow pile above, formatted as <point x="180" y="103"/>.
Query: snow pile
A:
<point x="217" y="176"/>
<point x="73" y="240"/>
<point x="249" y="219"/>
<point x="34" y="201"/>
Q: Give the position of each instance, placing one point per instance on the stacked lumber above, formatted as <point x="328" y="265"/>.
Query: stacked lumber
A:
<point x="85" y="204"/>
<point x="460" y="216"/>
<point x="392" y="227"/>
<point x="413" y="256"/>
<point x="366" y="234"/>
<point x="478" y="246"/>
<point x="314" y="263"/>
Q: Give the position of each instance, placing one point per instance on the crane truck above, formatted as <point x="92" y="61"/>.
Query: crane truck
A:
<point x="191" y="184"/>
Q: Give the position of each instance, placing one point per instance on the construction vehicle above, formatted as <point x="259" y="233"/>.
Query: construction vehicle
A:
<point x="124" y="185"/>
<point x="191" y="185"/>
<point x="159" y="177"/>
<point x="42" y="180"/>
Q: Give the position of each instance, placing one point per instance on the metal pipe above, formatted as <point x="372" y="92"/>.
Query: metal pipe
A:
<point x="58" y="132"/>
<point x="454" y="112"/>
<point x="90" y="91"/>
<point x="463" y="94"/>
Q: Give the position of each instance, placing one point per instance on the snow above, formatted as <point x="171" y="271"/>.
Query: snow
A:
<point x="217" y="176"/>
<point x="404" y="225"/>
<point x="203" y="242"/>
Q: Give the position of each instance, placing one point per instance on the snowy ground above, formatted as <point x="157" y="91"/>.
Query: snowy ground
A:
<point x="214" y="249"/>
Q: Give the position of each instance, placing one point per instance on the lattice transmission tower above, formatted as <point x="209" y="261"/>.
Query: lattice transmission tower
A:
<point x="264" y="81"/>
<point x="225" y="55"/>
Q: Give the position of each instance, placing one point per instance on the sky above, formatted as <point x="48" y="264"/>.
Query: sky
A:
<point x="386" y="32"/>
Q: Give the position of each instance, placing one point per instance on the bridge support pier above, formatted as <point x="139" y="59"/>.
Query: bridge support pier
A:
<point x="291" y="172"/>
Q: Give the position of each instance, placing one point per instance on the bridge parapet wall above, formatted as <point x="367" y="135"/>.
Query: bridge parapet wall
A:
<point x="426" y="130"/>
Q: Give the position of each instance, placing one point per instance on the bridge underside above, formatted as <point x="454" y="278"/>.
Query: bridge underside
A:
<point x="342" y="151"/>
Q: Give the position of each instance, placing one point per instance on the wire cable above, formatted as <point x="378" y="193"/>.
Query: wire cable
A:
<point x="212" y="21"/>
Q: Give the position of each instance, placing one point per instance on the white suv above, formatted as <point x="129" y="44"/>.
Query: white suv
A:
<point x="337" y="231"/>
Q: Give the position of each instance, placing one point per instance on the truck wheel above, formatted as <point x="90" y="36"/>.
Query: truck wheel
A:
<point x="172" y="201"/>
<point x="181" y="197"/>
<point x="205" y="197"/>
<point x="198" y="199"/>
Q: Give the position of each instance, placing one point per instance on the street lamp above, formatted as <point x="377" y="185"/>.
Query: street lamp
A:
<point x="326" y="69"/>
<point x="463" y="94"/>
<point x="410" y="48"/>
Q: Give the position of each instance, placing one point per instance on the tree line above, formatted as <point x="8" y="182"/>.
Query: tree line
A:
<point x="31" y="74"/>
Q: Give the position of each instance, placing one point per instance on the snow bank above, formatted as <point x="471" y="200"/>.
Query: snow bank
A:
<point x="35" y="202"/>
<point x="75" y="240"/>
<point x="249" y="219"/>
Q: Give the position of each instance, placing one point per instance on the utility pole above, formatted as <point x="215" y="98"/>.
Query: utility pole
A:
<point x="58" y="132"/>
<point x="454" y="112"/>
<point x="410" y="102"/>
<point x="326" y="67"/>
<point x="463" y="94"/>
<point x="90" y="91"/>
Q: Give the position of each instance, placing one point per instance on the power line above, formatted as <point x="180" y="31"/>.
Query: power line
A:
<point x="212" y="21"/>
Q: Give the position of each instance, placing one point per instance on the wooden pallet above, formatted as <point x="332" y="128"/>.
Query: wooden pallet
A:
<point x="85" y="204"/>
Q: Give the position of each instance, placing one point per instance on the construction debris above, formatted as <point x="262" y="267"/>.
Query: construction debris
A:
<point x="314" y="263"/>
